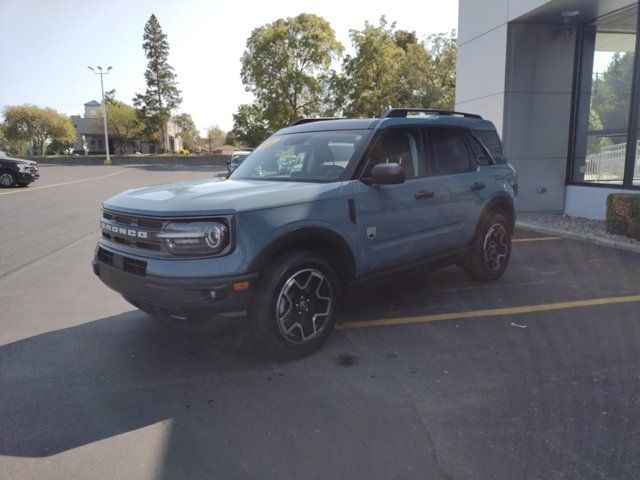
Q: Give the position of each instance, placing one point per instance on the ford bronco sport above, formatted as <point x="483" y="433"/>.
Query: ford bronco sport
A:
<point x="316" y="207"/>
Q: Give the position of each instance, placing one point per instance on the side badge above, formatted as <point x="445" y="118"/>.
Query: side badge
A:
<point x="371" y="232"/>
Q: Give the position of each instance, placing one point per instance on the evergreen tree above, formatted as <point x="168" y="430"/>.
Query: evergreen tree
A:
<point x="162" y="94"/>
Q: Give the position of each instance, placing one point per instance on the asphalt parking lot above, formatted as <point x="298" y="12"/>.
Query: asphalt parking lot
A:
<point x="536" y="376"/>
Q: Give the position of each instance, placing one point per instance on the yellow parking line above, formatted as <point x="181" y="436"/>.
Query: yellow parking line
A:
<point x="497" y="312"/>
<point x="82" y="180"/>
<point x="535" y="239"/>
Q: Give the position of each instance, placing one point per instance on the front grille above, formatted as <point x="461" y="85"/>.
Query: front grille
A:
<point x="137" y="267"/>
<point x="132" y="243"/>
<point x="120" y="223"/>
<point x="105" y="256"/>
<point x="130" y="265"/>
<point x="132" y="220"/>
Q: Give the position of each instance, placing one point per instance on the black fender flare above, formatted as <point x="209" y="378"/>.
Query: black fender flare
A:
<point x="502" y="203"/>
<point x="319" y="239"/>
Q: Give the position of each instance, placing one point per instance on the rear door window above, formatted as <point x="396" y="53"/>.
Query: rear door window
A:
<point x="449" y="151"/>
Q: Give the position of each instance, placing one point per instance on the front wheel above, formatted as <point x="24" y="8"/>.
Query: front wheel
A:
<point x="8" y="179"/>
<point x="491" y="249"/>
<point x="293" y="310"/>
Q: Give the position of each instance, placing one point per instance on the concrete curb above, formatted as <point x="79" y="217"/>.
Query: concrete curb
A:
<point x="585" y="237"/>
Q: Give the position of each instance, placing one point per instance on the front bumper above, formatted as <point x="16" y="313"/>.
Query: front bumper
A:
<point x="179" y="298"/>
<point x="27" y="177"/>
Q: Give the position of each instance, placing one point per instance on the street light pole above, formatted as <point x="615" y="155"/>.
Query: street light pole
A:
<point x="104" y="110"/>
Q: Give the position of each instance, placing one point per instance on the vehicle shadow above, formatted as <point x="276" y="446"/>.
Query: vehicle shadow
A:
<point x="482" y="396"/>
<point x="66" y="388"/>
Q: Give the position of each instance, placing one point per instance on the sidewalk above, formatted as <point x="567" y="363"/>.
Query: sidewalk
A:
<point x="576" y="228"/>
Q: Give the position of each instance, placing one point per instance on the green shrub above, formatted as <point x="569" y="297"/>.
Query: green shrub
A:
<point x="623" y="215"/>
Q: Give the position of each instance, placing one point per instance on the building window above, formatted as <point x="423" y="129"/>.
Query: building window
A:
<point x="607" y="62"/>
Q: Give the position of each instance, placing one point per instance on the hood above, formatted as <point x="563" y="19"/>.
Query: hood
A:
<point x="217" y="196"/>
<point x="16" y="160"/>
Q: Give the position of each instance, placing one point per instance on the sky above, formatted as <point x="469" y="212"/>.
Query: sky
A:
<point x="48" y="44"/>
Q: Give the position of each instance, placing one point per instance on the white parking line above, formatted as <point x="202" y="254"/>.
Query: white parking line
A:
<point x="82" y="180"/>
<point x="535" y="239"/>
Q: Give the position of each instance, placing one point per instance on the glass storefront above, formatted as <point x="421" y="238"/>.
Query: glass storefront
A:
<point x="601" y="154"/>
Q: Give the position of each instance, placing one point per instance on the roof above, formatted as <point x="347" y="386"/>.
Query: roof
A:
<point x="377" y="123"/>
<point x="326" y="125"/>
<point x="92" y="103"/>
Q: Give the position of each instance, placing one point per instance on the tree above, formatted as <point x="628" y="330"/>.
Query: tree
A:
<point x="428" y="73"/>
<point x="610" y="92"/>
<point x="371" y="77"/>
<point x="38" y="125"/>
<point x="285" y="65"/>
<point x="188" y="131"/>
<point x="404" y="38"/>
<point x="123" y="123"/>
<point x="13" y="146"/>
<point x="443" y="52"/>
<point x="110" y="96"/>
<point x="391" y="68"/>
<point x="231" y="138"/>
<point x="216" y="137"/>
<point x="250" y="127"/>
<point x="162" y="95"/>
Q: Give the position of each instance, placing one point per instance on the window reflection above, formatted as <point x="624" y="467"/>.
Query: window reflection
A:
<point x="608" y="50"/>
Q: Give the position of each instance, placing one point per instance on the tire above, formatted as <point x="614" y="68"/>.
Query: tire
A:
<point x="491" y="249"/>
<point x="8" y="179"/>
<point x="293" y="309"/>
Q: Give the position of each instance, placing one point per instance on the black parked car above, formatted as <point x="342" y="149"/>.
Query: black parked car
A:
<point x="17" y="171"/>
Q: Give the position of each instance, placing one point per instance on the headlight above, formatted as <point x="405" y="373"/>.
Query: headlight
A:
<point x="195" y="238"/>
<point x="23" y="167"/>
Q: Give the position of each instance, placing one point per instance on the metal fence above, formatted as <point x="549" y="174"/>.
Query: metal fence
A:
<point x="608" y="164"/>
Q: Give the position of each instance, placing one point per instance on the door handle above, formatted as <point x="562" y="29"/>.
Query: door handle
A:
<point x="423" y="194"/>
<point x="477" y="186"/>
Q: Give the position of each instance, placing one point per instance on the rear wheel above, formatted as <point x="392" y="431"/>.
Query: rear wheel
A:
<point x="293" y="310"/>
<point x="8" y="179"/>
<point x="491" y="249"/>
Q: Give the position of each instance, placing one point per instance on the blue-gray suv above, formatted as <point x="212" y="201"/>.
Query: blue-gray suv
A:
<point x="317" y="207"/>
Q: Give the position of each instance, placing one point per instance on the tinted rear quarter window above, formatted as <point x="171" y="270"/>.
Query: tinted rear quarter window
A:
<point x="449" y="150"/>
<point x="480" y="152"/>
<point x="490" y="140"/>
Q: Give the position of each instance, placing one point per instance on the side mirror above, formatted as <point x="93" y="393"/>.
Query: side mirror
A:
<point x="386" y="174"/>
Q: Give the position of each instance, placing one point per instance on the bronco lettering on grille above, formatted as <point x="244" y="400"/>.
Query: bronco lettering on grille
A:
<point x="129" y="232"/>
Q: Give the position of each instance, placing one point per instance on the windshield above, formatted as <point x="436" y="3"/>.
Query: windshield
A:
<point x="302" y="157"/>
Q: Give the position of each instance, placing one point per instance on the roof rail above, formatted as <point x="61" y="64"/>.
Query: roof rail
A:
<point x="302" y="121"/>
<point x="403" y="113"/>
